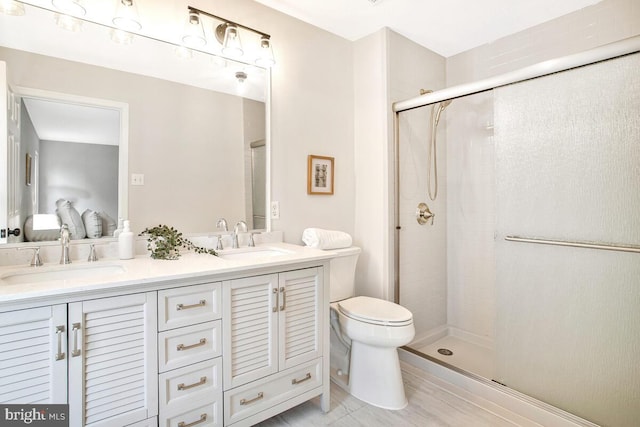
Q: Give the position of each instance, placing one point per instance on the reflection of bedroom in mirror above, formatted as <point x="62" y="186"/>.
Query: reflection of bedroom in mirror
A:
<point x="76" y="143"/>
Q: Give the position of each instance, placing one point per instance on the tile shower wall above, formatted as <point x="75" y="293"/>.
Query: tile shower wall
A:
<point x="423" y="270"/>
<point x="471" y="245"/>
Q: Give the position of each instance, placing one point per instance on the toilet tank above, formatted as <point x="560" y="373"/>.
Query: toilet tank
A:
<point x="342" y="279"/>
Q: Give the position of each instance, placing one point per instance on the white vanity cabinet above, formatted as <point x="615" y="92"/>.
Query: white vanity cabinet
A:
<point x="112" y="354"/>
<point x="33" y="355"/>
<point x="272" y="341"/>
<point x="189" y="350"/>
<point x="224" y="344"/>
<point x="98" y="352"/>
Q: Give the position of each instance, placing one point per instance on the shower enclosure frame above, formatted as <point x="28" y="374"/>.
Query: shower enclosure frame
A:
<point x="609" y="51"/>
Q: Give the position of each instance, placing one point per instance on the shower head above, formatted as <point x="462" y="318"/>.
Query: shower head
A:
<point x="441" y="107"/>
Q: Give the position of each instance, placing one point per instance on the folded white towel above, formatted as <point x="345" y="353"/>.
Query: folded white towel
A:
<point x="326" y="239"/>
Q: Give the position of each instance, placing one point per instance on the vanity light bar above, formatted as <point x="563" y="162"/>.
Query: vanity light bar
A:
<point x="228" y="35"/>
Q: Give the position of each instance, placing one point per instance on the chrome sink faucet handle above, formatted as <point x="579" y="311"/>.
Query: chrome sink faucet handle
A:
<point x="93" y="256"/>
<point x="252" y="242"/>
<point x="65" y="239"/>
<point x="35" y="260"/>
<point x="222" y="224"/>
<point x="242" y="226"/>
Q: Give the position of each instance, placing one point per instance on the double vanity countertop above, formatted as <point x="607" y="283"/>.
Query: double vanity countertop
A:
<point x="51" y="282"/>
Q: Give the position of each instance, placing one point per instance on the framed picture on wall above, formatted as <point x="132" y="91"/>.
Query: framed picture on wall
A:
<point x="320" y="175"/>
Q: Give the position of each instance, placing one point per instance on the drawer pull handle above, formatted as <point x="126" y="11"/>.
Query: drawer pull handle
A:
<point x="200" y="303"/>
<point x="258" y="397"/>
<point x="181" y="347"/>
<point x="202" y="419"/>
<point x="76" y="351"/>
<point x="284" y="299"/>
<point x="59" y="331"/>
<point x="275" y="291"/>
<point x="181" y="386"/>
<point x="297" y="381"/>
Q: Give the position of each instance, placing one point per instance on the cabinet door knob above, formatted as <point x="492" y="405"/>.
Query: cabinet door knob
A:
<point x="283" y="291"/>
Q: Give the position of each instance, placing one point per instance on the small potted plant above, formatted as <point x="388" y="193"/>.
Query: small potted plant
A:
<point x="165" y="242"/>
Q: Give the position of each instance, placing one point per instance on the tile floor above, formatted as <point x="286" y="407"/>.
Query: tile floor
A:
<point x="429" y="406"/>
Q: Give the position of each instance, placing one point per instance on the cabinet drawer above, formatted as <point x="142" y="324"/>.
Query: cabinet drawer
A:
<point x="189" y="305"/>
<point x="192" y="344"/>
<point x="254" y="397"/>
<point x="190" y="387"/>
<point x="209" y="415"/>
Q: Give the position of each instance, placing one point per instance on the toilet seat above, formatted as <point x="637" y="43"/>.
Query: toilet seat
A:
<point x="375" y="311"/>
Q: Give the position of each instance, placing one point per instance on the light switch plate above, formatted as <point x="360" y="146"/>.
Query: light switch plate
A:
<point x="137" y="179"/>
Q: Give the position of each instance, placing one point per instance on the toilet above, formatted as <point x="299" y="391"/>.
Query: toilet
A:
<point x="365" y="336"/>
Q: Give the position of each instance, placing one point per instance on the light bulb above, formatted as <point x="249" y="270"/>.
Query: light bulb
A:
<point x="265" y="57"/>
<point x="194" y="32"/>
<point x="231" y="45"/>
<point x="126" y="17"/>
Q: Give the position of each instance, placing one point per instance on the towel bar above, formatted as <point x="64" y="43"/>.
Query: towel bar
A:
<point x="589" y="245"/>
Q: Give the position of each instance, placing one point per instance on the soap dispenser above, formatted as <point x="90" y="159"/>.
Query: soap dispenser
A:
<point x="125" y="241"/>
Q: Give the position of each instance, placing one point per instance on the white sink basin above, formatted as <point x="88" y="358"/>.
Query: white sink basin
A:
<point x="251" y="253"/>
<point x="62" y="272"/>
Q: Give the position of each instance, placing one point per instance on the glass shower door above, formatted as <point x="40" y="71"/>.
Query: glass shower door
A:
<point x="568" y="170"/>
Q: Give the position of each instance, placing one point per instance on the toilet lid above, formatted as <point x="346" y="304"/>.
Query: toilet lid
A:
<point x="374" y="310"/>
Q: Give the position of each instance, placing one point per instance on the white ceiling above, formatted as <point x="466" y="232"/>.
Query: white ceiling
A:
<point x="446" y="27"/>
<point x="61" y="121"/>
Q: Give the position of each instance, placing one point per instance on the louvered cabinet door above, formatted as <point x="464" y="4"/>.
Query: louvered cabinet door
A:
<point x="250" y="329"/>
<point x="33" y="359"/>
<point x="113" y="369"/>
<point x="301" y="317"/>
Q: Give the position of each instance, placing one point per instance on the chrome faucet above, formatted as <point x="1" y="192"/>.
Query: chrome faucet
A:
<point x="222" y="224"/>
<point x="239" y="225"/>
<point x="65" y="239"/>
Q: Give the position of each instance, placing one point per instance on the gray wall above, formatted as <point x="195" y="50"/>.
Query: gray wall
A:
<point x="29" y="143"/>
<point x="92" y="167"/>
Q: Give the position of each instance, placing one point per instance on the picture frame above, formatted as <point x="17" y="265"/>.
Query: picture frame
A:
<point x="320" y="175"/>
<point x="28" y="169"/>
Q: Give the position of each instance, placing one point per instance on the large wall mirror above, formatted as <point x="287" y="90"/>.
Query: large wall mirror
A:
<point x="140" y="131"/>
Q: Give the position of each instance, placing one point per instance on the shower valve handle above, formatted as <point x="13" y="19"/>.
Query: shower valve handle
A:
<point x="423" y="214"/>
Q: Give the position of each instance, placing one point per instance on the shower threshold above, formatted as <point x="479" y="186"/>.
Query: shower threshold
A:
<point x="457" y="350"/>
